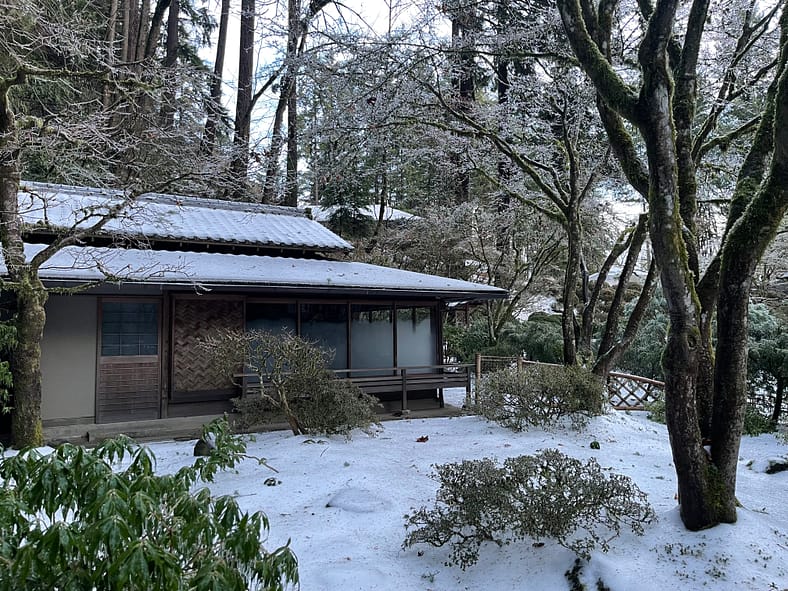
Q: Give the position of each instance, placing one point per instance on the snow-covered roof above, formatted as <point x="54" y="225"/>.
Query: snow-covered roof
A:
<point x="207" y="269"/>
<point x="323" y="214"/>
<point x="154" y="216"/>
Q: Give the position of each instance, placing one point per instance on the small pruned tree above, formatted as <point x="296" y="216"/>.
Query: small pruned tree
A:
<point x="547" y="496"/>
<point x="539" y="395"/>
<point x="74" y="519"/>
<point x="293" y="378"/>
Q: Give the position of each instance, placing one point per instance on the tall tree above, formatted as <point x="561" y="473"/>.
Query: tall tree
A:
<point x="297" y="31"/>
<point x="243" y="102"/>
<point x="73" y="141"/>
<point x="663" y="109"/>
<point x="215" y="101"/>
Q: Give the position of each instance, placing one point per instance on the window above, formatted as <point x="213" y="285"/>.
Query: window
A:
<point x="129" y="328"/>
<point x="327" y="325"/>
<point x="372" y="336"/>
<point x="273" y="317"/>
<point x="416" y="337"/>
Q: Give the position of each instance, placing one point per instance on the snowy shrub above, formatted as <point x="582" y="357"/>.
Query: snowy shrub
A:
<point x="102" y="519"/>
<point x="547" y="496"/>
<point x="295" y="380"/>
<point x="539" y="395"/>
<point x="336" y="408"/>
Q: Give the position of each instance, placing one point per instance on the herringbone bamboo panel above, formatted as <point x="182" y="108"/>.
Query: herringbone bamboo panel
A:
<point x="194" y="368"/>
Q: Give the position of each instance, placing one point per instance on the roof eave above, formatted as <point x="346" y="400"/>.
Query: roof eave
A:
<point x="355" y="291"/>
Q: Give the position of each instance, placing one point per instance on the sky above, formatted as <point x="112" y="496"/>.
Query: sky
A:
<point x="341" y="504"/>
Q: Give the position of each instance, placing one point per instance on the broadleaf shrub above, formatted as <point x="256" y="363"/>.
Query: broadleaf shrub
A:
<point x="547" y="496"/>
<point x="538" y="395"/>
<point x="76" y="519"/>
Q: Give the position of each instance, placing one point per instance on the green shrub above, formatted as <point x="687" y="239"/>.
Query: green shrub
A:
<point x="756" y="423"/>
<point x="644" y="355"/>
<point x="547" y="496"/>
<point x="464" y="342"/>
<point x="539" y="395"/>
<point x="73" y="519"/>
<point x="540" y="338"/>
<point x="656" y="409"/>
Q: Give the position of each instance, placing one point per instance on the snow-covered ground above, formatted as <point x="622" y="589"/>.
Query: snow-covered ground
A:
<point x="372" y="482"/>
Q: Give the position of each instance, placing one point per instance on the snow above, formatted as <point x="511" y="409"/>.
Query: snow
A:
<point x="175" y="217"/>
<point x="84" y="263"/>
<point x="341" y="505"/>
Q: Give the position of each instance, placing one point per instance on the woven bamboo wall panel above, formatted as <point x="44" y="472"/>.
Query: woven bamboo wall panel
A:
<point x="194" y="319"/>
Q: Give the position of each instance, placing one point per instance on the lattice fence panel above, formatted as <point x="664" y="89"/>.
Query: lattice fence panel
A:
<point x="632" y="392"/>
<point x="194" y="368"/>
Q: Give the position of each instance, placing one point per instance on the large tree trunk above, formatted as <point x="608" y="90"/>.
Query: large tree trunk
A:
<point x="743" y="249"/>
<point x="109" y="39"/>
<point x="296" y="42"/>
<point x="574" y="232"/>
<point x="30" y="293"/>
<point x="706" y="488"/>
<point x="243" y="104"/>
<point x="170" y="59"/>
<point x="291" y="180"/>
<point x="152" y="35"/>
<point x="143" y="25"/>
<point x="464" y="86"/>
<point x="680" y="360"/>
<point x="26" y="360"/>
<point x="215" y="101"/>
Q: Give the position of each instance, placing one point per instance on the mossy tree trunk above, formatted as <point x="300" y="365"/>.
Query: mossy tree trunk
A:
<point x="30" y="293"/>
<point x="26" y="360"/>
<point x="664" y="115"/>
<point x="743" y="248"/>
<point x="778" y="399"/>
<point x="680" y="360"/>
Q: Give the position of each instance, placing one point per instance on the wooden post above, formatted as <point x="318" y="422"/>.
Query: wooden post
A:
<point x="404" y="373"/>
<point x="467" y="387"/>
<point x="519" y="363"/>
<point x="478" y="377"/>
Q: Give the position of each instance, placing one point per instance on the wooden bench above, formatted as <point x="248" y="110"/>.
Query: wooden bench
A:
<point x="397" y="381"/>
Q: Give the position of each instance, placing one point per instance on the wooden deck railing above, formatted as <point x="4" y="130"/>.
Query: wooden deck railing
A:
<point x="402" y="380"/>
<point x="625" y="391"/>
<point x="389" y="383"/>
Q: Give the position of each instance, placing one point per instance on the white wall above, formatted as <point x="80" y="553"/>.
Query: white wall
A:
<point x="68" y="358"/>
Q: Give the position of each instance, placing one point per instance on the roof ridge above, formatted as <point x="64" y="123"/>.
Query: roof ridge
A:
<point x="168" y="199"/>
